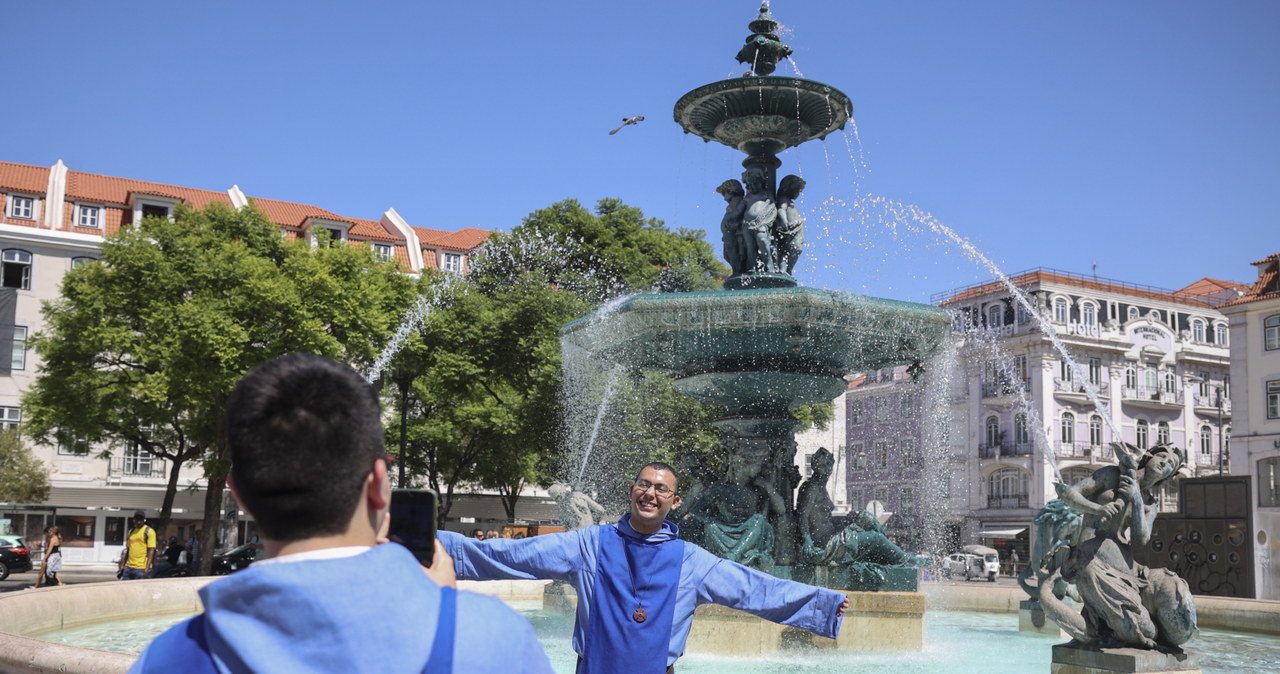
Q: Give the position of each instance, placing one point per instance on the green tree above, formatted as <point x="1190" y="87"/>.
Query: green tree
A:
<point x="23" y="478"/>
<point x="143" y="346"/>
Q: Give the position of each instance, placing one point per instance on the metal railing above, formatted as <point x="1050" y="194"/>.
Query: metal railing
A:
<point x="1155" y="394"/>
<point x="1008" y="502"/>
<point x="137" y="466"/>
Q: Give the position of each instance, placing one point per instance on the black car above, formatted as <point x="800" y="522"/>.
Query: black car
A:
<point x="236" y="558"/>
<point x="15" y="556"/>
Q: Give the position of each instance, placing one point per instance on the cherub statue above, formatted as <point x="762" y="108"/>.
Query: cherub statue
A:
<point x="577" y="510"/>
<point x="1126" y="604"/>
<point x="788" y="232"/>
<point x="733" y="513"/>
<point x="731" y="224"/>
<point x="757" y="221"/>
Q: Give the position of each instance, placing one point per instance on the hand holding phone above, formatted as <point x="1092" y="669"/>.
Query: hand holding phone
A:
<point x="413" y="522"/>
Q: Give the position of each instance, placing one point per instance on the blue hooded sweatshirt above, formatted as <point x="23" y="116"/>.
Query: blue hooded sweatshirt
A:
<point x="575" y="558"/>
<point x="373" y="612"/>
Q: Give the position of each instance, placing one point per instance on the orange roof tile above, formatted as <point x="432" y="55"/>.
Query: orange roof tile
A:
<point x="1267" y="287"/>
<point x="371" y="230"/>
<point x="464" y="239"/>
<point x="1067" y="278"/>
<point x="23" y="178"/>
<point x="290" y="214"/>
<point x="112" y="190"/>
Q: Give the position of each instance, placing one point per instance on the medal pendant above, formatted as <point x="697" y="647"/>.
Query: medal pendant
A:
<point x="639" y="616"/>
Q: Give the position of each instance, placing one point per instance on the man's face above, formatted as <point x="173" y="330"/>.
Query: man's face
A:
<point x="648" y="506"/>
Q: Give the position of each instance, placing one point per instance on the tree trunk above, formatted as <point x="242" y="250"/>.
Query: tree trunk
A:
<point x="404" y="433"/>
<point x="171" y="490"/>
<point x="212" y="514"/>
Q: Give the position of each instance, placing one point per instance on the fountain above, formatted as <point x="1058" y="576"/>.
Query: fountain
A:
<point x="764" y="345"/>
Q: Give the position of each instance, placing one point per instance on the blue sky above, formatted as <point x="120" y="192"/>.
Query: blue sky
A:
<point x="1137" y="135"/>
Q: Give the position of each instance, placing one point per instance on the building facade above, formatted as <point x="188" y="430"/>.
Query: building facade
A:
<point x="1255" y="369"/>
<point x="54" y="219"/>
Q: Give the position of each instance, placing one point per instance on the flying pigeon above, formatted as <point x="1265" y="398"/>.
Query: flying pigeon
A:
<point x="627" y="121"/>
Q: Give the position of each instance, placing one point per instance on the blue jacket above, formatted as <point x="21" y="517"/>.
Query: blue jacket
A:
<point x="704" y="579"/>
<point x="374" y="612"/>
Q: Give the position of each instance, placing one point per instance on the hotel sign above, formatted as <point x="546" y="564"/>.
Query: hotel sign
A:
<point x="1150" y="335"/>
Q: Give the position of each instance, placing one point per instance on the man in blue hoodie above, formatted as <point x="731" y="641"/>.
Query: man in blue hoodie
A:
<point x="307" y="461"/>
<point x="638" y="583"/>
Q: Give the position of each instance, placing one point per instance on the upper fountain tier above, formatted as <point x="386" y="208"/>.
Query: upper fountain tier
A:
<point x="759" y="114"/>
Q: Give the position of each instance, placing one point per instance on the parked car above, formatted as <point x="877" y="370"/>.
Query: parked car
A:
<point x="969" y="565"/>
<point x="15" y="556"/>
<point x="236" y="558"/>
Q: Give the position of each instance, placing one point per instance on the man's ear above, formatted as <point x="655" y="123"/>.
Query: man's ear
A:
<point x="235" y="493"/>
<point x="378" y="487"/>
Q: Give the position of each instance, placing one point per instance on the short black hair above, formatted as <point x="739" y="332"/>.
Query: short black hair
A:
<point x="659" y="465"/>
<point x="303" y="431"/>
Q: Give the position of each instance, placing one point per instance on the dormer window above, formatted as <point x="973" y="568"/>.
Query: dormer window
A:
<point x="1220" y="334"/>
<point x="1133" y="313"/>
<point x="1061" y="310"/>
<point x="382" y="251"/>
<point x="452" y="263"/>
<point x="88" y="215"/>
<point x="22" y="207"/>
<point x="150" y="206"/>
<point x="326" y="232"/>
<point x="1197" y="331"/>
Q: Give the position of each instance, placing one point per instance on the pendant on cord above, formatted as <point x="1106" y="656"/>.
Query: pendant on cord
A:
<point x="639" y="616"/>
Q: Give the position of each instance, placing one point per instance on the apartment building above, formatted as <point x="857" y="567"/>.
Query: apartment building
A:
<point x="55" y="218"/>
<point x="1255" y="369"/>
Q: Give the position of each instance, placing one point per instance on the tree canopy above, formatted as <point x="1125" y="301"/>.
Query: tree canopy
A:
<point x="23" y="478"/>
<point x="144" y="345"/>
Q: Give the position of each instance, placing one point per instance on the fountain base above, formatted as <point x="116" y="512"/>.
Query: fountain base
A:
<point x="1031" y="618"/>
<point x="1072" y="660"/>
<point x="875" y="621"/>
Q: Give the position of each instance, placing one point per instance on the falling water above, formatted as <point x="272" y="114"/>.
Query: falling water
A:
<point x="413" y="318"/>
<point x="609" y="387"/>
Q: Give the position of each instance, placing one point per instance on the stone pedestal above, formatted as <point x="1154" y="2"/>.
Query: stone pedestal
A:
<point x="1072" y="660"/>
<point x="1031" y="618"/>
<point x="875" y="621"/>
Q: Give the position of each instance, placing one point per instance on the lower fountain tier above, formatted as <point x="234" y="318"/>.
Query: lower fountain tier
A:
<point x="760" y="350"/>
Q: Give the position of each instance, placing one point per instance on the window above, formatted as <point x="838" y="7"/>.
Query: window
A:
<point x="155" y="211"/>
<point x="137" y="461"/>
<point x="1162" y="433"/>
<point x="1007" y="483"/>
<point x="15" y="269"/>
<point x="19" y="359"/>
<point x="855" y="499"/>
<point x="1130" y="377"/>
<point x="453" y="263"/>
<point x="859" y="457"/>
<point x="1089" y="314"/>
<point x="81" y="261"/>
<point x="1020" y="435"/>
<point x="1273" y="399"/>
<point x="1204" y="383"/>
<point x="993" y="431"/>
<point x="1142" y="431"/>
<point x="88" y="216"/>
<point x="1095" y="431"/>
<point x="1269" y="481"/>
<point x="1021" y="314"/>
<point x="22" y="207"/>
<point x="995" y="316"/>
<point x="1220" y="334"/>
<point x="908" y="406"/>
<point x="1133" y="313"/>
<point x="73" y="447"/>
<point x="1197" y="331"/>
<point x="882" y="495"/>
<point x="882" y="455"/>
<point x="855" y="414"/>
<point x="1206" y="440"/>
<point x="1068" y="428"/>
<point x="1064" y="370"/>
<point x="382" y="251"/>
<point x="909" y="451"/>
<point x="1170" y="382"/>
<point x="906" y="501"/>
<point x="10" y="417"/>
<point x="1074" y="475"/>
<point x="1061" y="310"/>
<point x="1153" y="381"/>
<point x="1020" y="364"/>
<point x="1095" y="371"/>
<point x="1271" y="332"/>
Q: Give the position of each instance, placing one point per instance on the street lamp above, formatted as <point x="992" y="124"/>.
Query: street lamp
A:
<point x="1219" y="389"/>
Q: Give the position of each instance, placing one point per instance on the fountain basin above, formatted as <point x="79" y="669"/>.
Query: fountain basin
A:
<point x="796" y="344"/>
<point x="763" y="115"/>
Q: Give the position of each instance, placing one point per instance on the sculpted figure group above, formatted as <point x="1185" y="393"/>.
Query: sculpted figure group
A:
<point x="761" y="233"/>
<point x="1084" y="551"/>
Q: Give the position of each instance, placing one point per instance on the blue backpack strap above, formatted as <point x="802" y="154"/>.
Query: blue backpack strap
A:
<point x="181" y="649"/>
<point x="441" y="660"/>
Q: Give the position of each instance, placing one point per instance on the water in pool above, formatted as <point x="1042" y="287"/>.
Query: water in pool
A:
<point x="955" y="641"/>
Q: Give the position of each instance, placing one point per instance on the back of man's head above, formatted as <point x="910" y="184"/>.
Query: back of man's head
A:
<point x="304" y="432"/>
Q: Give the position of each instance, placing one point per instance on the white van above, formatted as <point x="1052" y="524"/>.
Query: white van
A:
<point x="987" y="562"/>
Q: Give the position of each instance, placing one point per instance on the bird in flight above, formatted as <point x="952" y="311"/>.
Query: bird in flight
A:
<point x="627" y="121"/>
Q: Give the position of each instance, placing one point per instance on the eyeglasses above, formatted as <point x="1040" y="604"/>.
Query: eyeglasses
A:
<point x="662" y="490"/>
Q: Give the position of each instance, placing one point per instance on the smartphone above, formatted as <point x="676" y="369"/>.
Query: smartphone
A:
<point x="413" y="521"/>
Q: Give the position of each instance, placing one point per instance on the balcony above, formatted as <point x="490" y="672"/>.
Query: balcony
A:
<point x="1007" y="502"/>
<point x="1078" y="392"/>
<point x="1207" y="405"/>
<point x="1003" y="389"/>
<point x="136" y="468"/>
<point x="988" y="451"/>
<point x="1154" y="398"/>
<point x="992" y="451"/>
<point x="1082" y="450"/>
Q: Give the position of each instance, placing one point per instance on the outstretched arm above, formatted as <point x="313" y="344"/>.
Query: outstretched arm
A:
<point x="551" y="556"/>
<point x="808" y="607"/>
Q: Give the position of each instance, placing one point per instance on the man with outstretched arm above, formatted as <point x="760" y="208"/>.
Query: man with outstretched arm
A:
<point x="307" y="461"/>
<point x="638" y="583"/>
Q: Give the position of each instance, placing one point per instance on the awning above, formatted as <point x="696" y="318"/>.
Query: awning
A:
<point x="1000" y="533"/>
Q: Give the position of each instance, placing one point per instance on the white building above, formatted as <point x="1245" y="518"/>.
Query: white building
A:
<point x="1255" y="370"/>
<point x="53" y="219"/>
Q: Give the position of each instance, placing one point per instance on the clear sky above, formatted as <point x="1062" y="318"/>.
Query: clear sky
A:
<point x="1140" y="135"/>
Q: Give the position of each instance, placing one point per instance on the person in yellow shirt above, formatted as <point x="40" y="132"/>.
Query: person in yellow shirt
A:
<point x="140" y="549"/>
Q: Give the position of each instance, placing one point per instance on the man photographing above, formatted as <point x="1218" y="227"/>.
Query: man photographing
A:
<point x="638" y="583"/>
<point x="307" y="461"/>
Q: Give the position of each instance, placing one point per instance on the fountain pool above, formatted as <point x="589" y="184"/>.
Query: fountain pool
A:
<point x="948" y="637"/>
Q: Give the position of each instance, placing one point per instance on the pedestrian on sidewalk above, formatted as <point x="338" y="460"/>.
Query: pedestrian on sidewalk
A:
<point x="52" y="563"/>
<point x="139" y="549"/>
